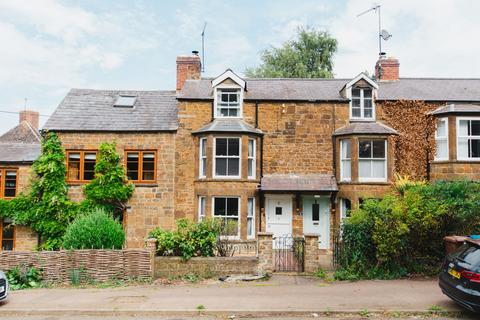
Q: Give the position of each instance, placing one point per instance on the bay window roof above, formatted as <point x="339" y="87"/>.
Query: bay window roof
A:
<point x="228" y="125"/>
<point x="457" y="108"/>
<point x="359" y="128"/>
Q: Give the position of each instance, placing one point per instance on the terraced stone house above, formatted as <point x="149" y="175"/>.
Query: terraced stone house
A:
<point x="286" y="156"/>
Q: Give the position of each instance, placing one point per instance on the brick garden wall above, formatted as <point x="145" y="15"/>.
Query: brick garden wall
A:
<point x="94" y="265"/>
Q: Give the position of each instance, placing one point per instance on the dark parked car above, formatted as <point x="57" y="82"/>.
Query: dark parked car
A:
<point x="460" y="276"/>
<point x="3" y="286"/>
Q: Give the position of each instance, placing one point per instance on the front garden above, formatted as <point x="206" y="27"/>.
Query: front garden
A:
<point x="402" y="234"/>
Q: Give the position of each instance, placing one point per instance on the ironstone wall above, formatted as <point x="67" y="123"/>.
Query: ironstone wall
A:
<point x="92" y="265"/>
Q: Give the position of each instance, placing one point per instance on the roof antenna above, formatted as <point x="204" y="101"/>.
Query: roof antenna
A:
<point x="203" y="47"/>
<point x="25" y="104"/>
<point x="382" y="33"/>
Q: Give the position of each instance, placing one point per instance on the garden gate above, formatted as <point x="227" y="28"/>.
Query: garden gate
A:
<point x="288" y="253"/>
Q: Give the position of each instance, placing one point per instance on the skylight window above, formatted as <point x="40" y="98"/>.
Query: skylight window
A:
<point x="125" y="101"/>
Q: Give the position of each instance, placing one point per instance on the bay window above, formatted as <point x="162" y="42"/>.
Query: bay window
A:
<point x="251" y="218"/>
<point x="441" y="139"/>
<point x="251" y="158"/>
<point x="227" y="157"/>
<point x="361" y="104"/>
<point x="372" y="160"/>
<point x="468" y="139"/>
<point x="227" y="210"/>
<point x="203" y="158"/>
<point x="201" y="208"/>
<point x="345" y="160"/>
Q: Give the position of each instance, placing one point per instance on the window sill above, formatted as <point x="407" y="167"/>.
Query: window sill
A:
<point x="227" y="180"/>
<point x="362" y="120"/>
<point x="383" y="183"/>
<point x="458" y="161"/>
<point x="145" y="184"/>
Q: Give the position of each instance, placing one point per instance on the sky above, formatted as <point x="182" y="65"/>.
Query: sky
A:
<point x="50" y="46"/>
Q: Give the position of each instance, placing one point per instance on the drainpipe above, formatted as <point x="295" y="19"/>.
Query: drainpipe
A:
<point x="256" y="114"/>
<point x="334" y="145"/>
<point x="213" y="111"/>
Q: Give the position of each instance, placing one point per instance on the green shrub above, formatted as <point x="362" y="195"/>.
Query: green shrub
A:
<point x="24" y="277"/>
<point x="96" y="230"/>
<point x="188" y="240"/>
<point x="403" y="233"/>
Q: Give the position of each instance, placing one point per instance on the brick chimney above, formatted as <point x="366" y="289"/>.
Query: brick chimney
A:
<point x="188" y="67"/>
<point x="30" y="116"/>
<point x="387" y="69"/>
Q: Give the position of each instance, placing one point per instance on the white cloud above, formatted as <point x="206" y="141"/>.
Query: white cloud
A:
<point x="431" y="38"/>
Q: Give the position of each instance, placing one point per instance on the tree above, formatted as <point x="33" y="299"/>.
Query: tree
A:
<point x="308" y="56"/>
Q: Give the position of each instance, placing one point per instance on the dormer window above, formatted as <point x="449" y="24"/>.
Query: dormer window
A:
<point x="125" y="101"/>
<point x="361" y="92"/>
<point x="362" y="104"/>
<point x="228" y="103"/>
<point x="228" y="95"/>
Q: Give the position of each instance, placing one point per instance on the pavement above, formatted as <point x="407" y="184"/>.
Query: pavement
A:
<point x="280" y="296"/>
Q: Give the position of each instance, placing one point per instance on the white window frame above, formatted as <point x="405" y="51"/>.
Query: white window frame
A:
<point x="370" y="179"/>
<point x="342" y="160"/>
<point x="467" y="137"/>
<point x="343" y="208"/>
<point x="214" y="172"/>
<point x="438" y="138"/>
<point x="202" y="205"/>
<point x="221" y="87"/>
<point x="202" y="158"/>
<point x="362" y="105"/>
<point x="251" y="217"/>
<point x="225" y="217"/>
<point x="252" y="158"/>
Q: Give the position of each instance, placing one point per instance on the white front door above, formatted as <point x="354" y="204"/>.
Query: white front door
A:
<point x="316" y="219"/>
<point x="279" y="215"/>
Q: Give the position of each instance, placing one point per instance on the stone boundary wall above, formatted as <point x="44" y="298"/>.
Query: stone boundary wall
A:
<point x="92" y="265"/>
<point x="205" y="267"/>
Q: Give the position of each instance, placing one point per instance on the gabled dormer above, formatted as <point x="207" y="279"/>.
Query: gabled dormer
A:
<point x="228" y="89"/>
<point x="361" y="92"/>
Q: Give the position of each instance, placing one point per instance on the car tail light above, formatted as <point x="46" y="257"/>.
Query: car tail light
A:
<point x="472" y="276"/>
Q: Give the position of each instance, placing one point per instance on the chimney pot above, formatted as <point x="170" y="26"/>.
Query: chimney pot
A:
<point x="387" y="69"/>
<point x="188" y="68"/>
<point x="31" y="117"/>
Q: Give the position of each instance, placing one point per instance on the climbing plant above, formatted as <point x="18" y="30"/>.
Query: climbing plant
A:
<point x="110" y="188"/>
<point x="45" y="206"/>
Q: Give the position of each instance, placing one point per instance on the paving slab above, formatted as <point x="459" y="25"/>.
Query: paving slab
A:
<point x="279" y="295"/>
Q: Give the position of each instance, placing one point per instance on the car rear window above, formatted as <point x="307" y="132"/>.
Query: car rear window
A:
<point x="469" y="254"/>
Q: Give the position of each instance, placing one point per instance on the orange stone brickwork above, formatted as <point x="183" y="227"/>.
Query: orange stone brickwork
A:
<point x="152" y="205"/>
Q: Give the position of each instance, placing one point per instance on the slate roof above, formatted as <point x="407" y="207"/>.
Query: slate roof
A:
<point x="20" y="144"/>
<point x="228" y="125"/>
<point x="365" y="128"/>
<point x="93" y="110"/>
<point x="22" y="133"/>
<point x="299" y="182"/>
<point x="19" y="152"/>
<point x="428" y="89"/>
<point x="457" y="108"/>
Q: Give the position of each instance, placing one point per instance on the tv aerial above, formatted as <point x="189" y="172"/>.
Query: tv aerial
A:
<point x="382" y="33"/>
<point x="203" y="47"/>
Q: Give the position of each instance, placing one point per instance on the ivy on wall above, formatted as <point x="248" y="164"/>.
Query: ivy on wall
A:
<point x="415" y="145"/>
<point x="45" y="206"/>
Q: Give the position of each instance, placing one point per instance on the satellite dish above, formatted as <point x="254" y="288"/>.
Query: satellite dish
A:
<point x="385" y="34"/>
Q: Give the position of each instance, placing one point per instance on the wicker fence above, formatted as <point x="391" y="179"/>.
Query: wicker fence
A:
<point x="91" y="265"/>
